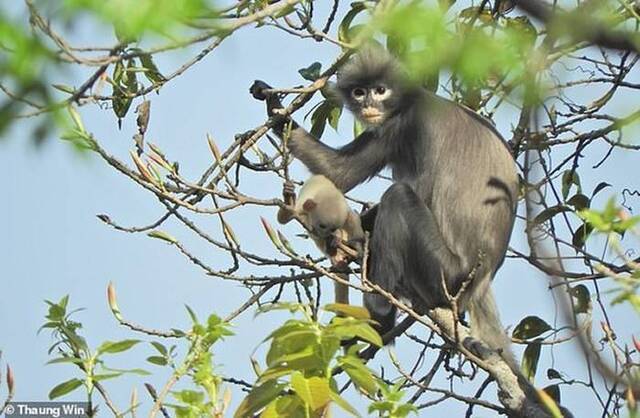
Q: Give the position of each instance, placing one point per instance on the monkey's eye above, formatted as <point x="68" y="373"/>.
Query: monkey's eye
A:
<point x="358" y="93"/>
<point x="381" y="90"/>
<point x="322" y="226"/>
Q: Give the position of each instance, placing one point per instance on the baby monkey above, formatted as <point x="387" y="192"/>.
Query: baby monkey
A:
<point x="330" y="221"/>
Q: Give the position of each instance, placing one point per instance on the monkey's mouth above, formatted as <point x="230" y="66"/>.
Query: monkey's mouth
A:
<point x="372" y="115"/>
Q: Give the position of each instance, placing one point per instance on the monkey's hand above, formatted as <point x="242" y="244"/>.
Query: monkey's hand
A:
<point x="289" y="196"/>
<point x="289" y="193"/>
<point x="357" y="248"/>
<point x="259" y="90"/>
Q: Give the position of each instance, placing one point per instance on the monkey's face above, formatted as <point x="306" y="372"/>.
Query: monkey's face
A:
<point x="371" y="84"/>
<point x="325" y="218"/>
<point x="370" y="103"/>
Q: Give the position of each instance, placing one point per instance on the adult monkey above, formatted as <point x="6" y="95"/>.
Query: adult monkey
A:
<point x="450" y="212"/>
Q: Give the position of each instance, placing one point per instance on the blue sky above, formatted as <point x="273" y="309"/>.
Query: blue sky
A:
<point x="52" y="244"/>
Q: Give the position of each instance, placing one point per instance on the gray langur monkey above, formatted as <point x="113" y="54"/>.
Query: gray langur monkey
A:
<point x="330" y="221"/>
<point x="448" y="216"/>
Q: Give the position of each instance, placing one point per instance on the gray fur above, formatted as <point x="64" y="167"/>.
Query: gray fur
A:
<point x="452" y="204"/>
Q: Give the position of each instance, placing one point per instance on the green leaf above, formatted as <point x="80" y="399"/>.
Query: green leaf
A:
<point x="358" y="128"/>
<point x="163" y="236"/>
<point x="579" y="201"/>
<point x="286" y="244"/>
<point x="357" y="312"/>
<point x="112" y="347"/>
<point x="360" y="375"/>
<point x="152" y="74"/>
<point x="314" y="391"/>
<point x="120" y="102"/>
<point x="320" y="116"/>
<point x="582" y="298"/>
<point x="530" y="360"/>
<point x="272" y="234"/>
<point x="334" y="117"/>
<point x="599" y="187"/>
<point x="530" y="327"/>
<point x="549" y="213"/>
<point x="284" y="11"/>
<point x="397" y="46"/>
<point x="554" y="392"/>
<point x="344" y="30"/>
<point x="139" y="372"/>
<point x="106" y="376"/>
<point x="289" y="406"/>
<point x="347" y="328"/>
<point x="549" y="404"/>
<point x="259" y="397"/>
<point x="157" y="360"/>
<point x="192" y="314"/>
<point x="595" y="219"/>
<point x="274" y="373"/>
<point x="581" y="234"/>
<point x="160" y="347"/>
<point x="64" y="388"/>
<point x="570" y="177"/>
<point x="342" y="403"/>
<point x="329" y="346"/>
<point x="312" y="72"/>
<point x="64" y="88"/>
<point x="305" y="359"/>
<point x="131" y="77"/>
<point x="289" y="327"/>
<point x="524" y="27"/>
<point x="74" y="360"/>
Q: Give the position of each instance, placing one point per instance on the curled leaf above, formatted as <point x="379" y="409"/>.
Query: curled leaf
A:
<point x="10" y="380"/>
<point x="214" y="149"/>
<point x="163" y="236"/>
<point x="271" y="234"/>
<point x="113" y="304"/>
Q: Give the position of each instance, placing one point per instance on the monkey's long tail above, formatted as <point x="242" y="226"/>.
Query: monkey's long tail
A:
<point x="486" y="325"/>
<point x="341" y="290"/>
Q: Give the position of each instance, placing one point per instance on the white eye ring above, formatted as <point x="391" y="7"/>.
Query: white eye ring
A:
<point x="381" y="92"/>
<point x="358" y="93"/>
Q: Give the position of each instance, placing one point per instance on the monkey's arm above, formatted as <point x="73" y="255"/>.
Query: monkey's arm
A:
<point x="346" y="167"/>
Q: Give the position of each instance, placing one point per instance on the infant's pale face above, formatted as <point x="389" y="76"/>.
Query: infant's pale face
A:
<point x="324" y="221"/>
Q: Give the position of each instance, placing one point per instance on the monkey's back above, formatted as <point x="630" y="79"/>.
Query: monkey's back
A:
<point x="466" y="162"/>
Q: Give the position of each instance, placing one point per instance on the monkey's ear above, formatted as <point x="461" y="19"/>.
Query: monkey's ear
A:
<point x="309" y="205"/>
